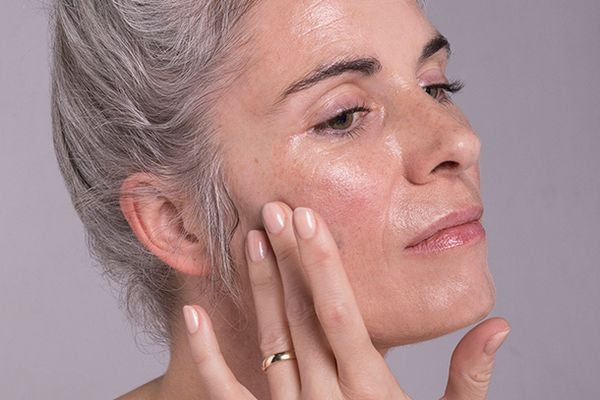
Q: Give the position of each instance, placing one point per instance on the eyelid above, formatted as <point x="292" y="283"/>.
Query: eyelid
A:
<point x="335" y="106"/>
<point x="432" y="76"/>
<point x="332" y="101"/>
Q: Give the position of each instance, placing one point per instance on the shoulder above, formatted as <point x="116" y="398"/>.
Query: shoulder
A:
<point x="148" y="391"/>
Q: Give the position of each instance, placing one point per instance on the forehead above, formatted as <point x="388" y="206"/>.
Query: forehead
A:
<point x="300" y="28"/>
<point x="290" y="37"/>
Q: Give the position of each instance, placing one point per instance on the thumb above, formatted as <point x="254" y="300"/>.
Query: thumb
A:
<point x="473" y="360"/>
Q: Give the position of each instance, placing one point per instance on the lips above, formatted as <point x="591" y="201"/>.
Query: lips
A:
<point x="455" y="218"/>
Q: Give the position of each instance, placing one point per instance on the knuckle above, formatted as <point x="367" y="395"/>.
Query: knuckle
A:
<point x="286" y="255"/>
<point x="203" y="357"/>
<point x="356" y="389"/>
<point x="264" y="277"/>
<point x="475" y="379"/>
<point x="299" y="310"/>
<point x="335" y="316"/>
<point x="200" y="358"/>
<point x="318" y="258"/>
<point x="274" y="339"/>
<point x="321" y="393"/>
<point x="480" y="378"/>
<point x="364" y="389"/>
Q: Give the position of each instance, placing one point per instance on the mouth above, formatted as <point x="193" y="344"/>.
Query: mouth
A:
<point x="457" y="228"/>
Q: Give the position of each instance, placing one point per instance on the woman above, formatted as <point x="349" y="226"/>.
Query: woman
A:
<point x="298" y="169"/>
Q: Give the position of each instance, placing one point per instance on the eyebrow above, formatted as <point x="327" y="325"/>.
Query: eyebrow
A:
<point x="436" y="44"/>
<point x="365" y="65"/>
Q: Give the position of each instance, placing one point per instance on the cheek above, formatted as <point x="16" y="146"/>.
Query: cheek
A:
<point x="349" y="196"/>
<point x="353" y="198"/>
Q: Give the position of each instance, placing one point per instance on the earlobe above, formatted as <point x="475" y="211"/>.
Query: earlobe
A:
<point x="158" y="225"/>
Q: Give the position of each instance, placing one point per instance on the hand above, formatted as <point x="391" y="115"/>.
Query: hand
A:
<point x="304" y="302"/>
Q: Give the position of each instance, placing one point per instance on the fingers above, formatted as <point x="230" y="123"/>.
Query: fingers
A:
<point x="314" y="358"/>
<point x="332" y="344"/>
<point x="473" y="360"/>
<point x="213" y="371"/>
<point x="334" y="299"/>
<point x="273" y="332"/>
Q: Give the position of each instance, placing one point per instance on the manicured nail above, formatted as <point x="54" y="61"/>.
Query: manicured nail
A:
<point x="495" y="342"/>
<point x="192" y="319"/>
<point x="304" y="221"/>
<point x="273" y="217"/>
<point x="256" y="246"/>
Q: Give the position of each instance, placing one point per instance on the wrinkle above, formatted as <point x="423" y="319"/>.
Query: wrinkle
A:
<point x="321" y="18"/>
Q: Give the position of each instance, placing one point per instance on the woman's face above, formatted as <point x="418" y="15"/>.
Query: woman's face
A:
<point x="399" y="160"/>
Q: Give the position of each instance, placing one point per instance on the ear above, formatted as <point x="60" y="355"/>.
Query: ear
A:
<point x="158" y="225"/>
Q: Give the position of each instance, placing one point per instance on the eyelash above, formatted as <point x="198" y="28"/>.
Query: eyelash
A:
<point x="324" y="129"/>
<point x="447" y="90"/>
<point x="444" y="96"/>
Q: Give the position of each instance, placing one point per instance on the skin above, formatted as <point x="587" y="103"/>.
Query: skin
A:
<point x="414" y="160"/>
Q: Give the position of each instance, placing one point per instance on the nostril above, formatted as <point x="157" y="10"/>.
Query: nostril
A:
<point x="446" y="165"/>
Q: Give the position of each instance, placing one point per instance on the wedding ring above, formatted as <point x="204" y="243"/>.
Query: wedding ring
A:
<point x="284" y="355"/>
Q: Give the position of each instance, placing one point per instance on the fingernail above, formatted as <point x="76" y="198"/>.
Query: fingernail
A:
<point x="495" y="342"/>
<point x="192" y="319"/>
<point x="304" y="222"/>
<point x="256" y="246"/>
<point x="273" y="217"/>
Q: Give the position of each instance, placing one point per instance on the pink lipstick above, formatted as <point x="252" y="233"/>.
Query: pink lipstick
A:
<point x="449" y="238"/>
<point x="455" y="229"/>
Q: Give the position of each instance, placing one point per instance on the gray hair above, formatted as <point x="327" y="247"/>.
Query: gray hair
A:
<point x="133" y="82"/>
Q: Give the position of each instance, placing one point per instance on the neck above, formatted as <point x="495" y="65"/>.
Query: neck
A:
<point x="240" y="349"/>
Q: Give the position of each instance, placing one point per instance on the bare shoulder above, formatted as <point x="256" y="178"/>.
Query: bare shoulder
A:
<point x="148" y="391"/>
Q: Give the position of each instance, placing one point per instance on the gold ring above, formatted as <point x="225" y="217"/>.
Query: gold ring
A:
<point x="284" y="355"/>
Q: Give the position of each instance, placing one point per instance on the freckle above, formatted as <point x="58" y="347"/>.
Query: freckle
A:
<point x="255" y="160"/>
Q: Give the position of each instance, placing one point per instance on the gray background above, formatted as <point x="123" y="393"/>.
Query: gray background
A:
<point x="532" y="70"/>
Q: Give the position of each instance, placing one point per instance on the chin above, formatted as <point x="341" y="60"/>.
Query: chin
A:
<point x="471" y="310"/>
<point x="432" y="319"/>
<point x="436" y="327"/>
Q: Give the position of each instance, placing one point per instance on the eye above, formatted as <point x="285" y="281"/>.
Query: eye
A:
<point x="440" y="91"/>
<point x="433" y="91"/>
<point x="343" y="123"/>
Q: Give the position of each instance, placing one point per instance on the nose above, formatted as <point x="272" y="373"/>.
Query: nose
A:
<point x="444" y="144"/>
